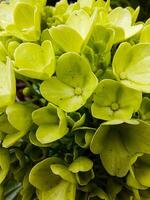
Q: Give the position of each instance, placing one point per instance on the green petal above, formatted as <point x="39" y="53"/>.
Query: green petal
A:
<point x="120" y="17"/>
<point x="6" y="16"/>
<point x="76" y="122"/>
<point x="60" y="94"/>
<point x="11" y="139"/>
<point x="86" y="3"/>
<point x="63" y="172"/>
<point x="135" y="139"/>
<point x="118" y="65"/>
<point x="64" y="190"/>
<point x="55" y="91"/>
<point x="134" y="13"/>
<point x="66" y="37"/>
<point x="145" y="109"/>
<point x="5" y="126"/>
<point x="143" y="175"/>
<point x="113" y="153"/>
<point x="3" y="52"/>
<point x="39" y="3"/>
<point x="129" y="69"/>
<point x="46" y="115"/>
<point x="128" y="139"/>
<point x="7" y="84"/>
<point x="4" y="164"/>
<point x="73" y="70"/>
<point x="48" y="133"/>
<point x="145" y="34"/>
<point x="114" y="101"/>
<point x="54" y="129"/>
<point x="27" y="191"/>
<point x="83" y="137"/>
<point x="35" y="61"/>
<point x="80" y="21"/>
<point x="34" y="141"/>
<point x="97" y="193"/>
<point x="81" y="164"/>
<point x="19" y="115"/>
<point x="102" y="39"/>
<point x="27" y="21"/>
<point x="12" y="45"/>
<point x="41" y="175"/>
<point x="61" y="7"/>
<point x="83" y="178"/>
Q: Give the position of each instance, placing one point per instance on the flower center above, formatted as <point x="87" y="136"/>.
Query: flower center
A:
<point x="114" y="106"/>
<point x="123" y="75"/>
<point x="78" y="91"/>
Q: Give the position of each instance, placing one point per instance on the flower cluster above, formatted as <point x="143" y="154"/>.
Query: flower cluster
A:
<point x="74" y="101"/>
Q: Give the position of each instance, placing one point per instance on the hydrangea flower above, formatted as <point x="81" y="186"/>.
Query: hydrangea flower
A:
<point x="21" y="19"/>
<point x="128" y="69"/>
<point x="35" y="61"/>
<point x="52" y="123"/>
<point x="116" y="145"/>
<point x="113" y="100"/>
<point x="73" y="84"/>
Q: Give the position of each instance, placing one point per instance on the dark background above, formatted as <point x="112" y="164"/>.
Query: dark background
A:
<point x="144" y="4"/>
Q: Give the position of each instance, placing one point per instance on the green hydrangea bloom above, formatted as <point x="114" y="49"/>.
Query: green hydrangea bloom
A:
<point x="73" y="84"/>
<point x="112" y="100"/>
<point x="128" y="69"/>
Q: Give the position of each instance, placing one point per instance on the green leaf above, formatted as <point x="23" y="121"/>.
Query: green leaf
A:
<point x="73" y="85"/>
<point x="113" y="101"/>
<point x="41" y="175"/>
<point x="4" y="163"/>
<point x="53" y="124"/>
<point x="35" y="61"/>
<point x="7" y="84"/>
<point x="128" y="69"/>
